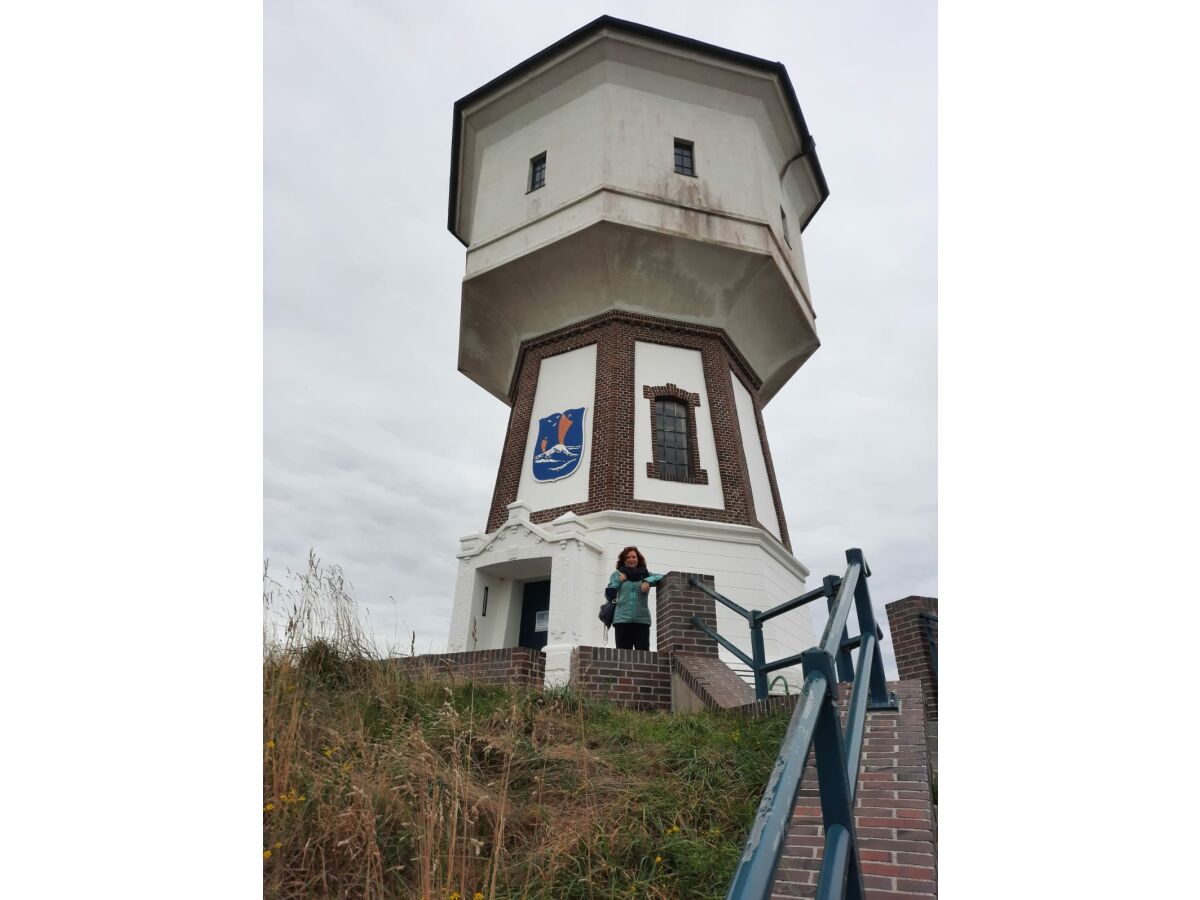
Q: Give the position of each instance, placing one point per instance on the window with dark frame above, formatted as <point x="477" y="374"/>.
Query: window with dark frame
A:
<point x="671" y="419"/>
<point x="786" y="237"/>
<point x="675" y="456"/>
<point x="537" y="172"/>
<point x="685" y="162"/>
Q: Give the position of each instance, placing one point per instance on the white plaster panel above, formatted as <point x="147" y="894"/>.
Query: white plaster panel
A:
<point x="565" y="381"/>
<point x="570" y="134"/>
<point x="656" y="365"/>
<point x="640" y="151"/>
<point x="756" y="462"/>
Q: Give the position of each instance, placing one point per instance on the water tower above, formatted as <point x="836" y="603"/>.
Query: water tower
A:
<point x="632" y="204"/>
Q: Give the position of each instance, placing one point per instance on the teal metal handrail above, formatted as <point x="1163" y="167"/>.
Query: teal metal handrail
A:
<point x="758" y="663"/>
<point x="815" y="726"/>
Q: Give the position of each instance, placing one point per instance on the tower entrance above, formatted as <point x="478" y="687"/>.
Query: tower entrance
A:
<point x="535" y="615"/>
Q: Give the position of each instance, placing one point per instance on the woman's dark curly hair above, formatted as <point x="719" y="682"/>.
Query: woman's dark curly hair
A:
<point x="621" y="557"/>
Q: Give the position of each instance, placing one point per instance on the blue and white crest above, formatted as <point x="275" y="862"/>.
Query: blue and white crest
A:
<point x="559" y="445"/>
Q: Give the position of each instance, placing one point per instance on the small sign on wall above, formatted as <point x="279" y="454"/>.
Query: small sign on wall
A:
<point x="559" y="445"/>
<point x="542" y="620"/>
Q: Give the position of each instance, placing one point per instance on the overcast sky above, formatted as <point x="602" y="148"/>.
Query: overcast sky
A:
<point x="367" y="459"/>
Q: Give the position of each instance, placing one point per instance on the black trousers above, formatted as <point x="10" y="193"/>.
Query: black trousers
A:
<point x="632" y="636"/>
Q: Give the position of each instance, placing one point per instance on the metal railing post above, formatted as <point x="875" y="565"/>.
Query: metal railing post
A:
<point x="845" y="664"/>
<point x="759" y="651"/>
<point x="879" y="696"/>
<point x="837" y="804"/>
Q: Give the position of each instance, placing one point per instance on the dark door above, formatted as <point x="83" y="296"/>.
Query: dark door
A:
<point x="535" y="615"/>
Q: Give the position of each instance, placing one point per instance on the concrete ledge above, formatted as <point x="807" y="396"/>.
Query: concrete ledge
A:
<point x="710" y="681"/>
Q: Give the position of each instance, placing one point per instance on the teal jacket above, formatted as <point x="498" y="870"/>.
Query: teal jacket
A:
<point x="632" y="605"/>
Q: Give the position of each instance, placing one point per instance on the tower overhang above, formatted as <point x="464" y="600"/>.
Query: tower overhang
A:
<point x="645" y="258"/>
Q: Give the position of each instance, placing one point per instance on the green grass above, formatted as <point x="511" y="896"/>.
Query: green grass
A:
<point x="382" y="783"/>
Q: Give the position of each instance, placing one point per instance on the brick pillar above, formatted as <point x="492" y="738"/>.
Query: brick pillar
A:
<point x="912" y="648"/>
<point x="678" y="602"/>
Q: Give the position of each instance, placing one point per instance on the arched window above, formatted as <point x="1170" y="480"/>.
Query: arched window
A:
<point x="673" y="427"/>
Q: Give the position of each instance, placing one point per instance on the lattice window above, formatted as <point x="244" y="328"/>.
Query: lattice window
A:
<point x="537" y="172"/>
<point x="671" y="439"/>
<point x="685" y="159"/>
<point x="673" y="426"/>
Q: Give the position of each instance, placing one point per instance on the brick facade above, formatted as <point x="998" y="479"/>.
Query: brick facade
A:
<point x="910" y="641"/>
<point x="677" y="602"/>
<point x="519" y="666"/>
<point x="610" y="481"/>
<point x="893" y="814"/>
<point x="636" y="678"/>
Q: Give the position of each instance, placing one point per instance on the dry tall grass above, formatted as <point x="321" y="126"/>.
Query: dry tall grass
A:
<point x="381" y="783"/>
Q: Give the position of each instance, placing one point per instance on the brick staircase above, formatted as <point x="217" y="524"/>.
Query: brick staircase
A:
<point x="893" y="811"/>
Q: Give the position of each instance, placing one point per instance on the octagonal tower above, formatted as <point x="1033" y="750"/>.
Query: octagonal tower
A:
<point x="632" y="205"/>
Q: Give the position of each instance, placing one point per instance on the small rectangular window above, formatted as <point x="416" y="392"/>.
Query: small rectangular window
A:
<point x="485" y="593"/>
<point x="685" y="161"/>
<point x="786" y="236"/>
<point x="672" y="436"/>
<point x="537" y="172"/>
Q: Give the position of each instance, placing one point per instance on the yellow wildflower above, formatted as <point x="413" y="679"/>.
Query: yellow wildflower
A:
<point x="328" y="751"/>
<point x="657" y="860"/>
<point x="346" y="767"/>
<point x="268" y="807"/>
<point x="270" y="745"/>
<point x="454" y="895"/>
<point x="266" y="854"/>
<point x="277" y="844"/>
<point x="674" y="829"/>
<point x="478" y="895"/>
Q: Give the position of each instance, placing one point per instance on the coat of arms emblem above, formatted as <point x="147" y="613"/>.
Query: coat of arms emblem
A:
<point x="559" y="445"/>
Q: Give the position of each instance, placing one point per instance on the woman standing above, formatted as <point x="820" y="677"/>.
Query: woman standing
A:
<point x="630" y="585"/>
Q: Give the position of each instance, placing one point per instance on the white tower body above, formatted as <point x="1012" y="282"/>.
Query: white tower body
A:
<point x="632" y="204"/>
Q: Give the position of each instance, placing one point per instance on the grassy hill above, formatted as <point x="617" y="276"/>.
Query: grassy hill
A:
<point x="377" y="783"/>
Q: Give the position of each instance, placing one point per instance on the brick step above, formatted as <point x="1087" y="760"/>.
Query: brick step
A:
<point x="893" y="815"/>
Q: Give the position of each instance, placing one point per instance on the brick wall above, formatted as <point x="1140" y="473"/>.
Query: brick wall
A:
<point x="893" y="813"/>
<point x="636" y="678"/>
<point x="610" y="481"/>
<point x="643" y="678"/>
<point x="510" y="666"/>
<point x="913" y="660"/>
<point x="676" y="603"/>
